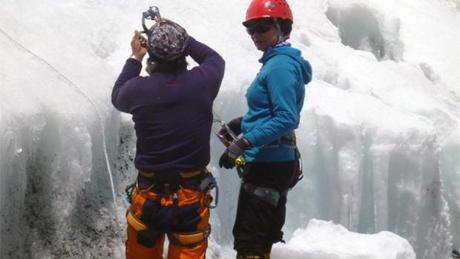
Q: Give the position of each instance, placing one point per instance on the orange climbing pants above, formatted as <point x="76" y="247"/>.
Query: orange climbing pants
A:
<point x="182" y="216"/>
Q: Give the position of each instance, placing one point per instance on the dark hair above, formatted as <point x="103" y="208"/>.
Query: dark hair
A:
<point x="285" y="26"/>
<point x="170" y="67"/>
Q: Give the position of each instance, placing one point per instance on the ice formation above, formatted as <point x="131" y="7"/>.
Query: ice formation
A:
<point x="379" y="131"/>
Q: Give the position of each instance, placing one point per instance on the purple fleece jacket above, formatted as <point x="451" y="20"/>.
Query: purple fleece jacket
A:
<point x="172" y="113"/>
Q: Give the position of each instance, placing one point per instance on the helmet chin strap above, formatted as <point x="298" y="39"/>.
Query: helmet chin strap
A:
<point x="281" y="38"/>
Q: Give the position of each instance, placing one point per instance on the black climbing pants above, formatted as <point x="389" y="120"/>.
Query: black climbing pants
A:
<point x="258" y="223"/>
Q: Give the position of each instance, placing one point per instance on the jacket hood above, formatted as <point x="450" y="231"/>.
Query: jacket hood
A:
<point x="295" y="54"/>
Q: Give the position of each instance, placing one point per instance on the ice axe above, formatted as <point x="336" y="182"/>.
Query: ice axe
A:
<point x="226" y="136"/>
<point x="153" y="14"/>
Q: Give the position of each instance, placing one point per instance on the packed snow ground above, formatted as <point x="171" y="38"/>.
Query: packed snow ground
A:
<point x="325" y="240"/>
<point x="379" y="131"/>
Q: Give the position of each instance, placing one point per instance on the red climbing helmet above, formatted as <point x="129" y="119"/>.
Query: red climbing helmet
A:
<point x="268" y="9"/>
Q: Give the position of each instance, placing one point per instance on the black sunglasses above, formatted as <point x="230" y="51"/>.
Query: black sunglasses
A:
<point x="259" y="28"/>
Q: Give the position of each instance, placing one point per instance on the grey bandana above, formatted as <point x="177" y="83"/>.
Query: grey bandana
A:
<point x="168" y="40"/>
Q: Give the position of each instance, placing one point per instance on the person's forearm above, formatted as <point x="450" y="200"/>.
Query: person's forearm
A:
<point x="131" y="69"/>
<point x="201" y="52"/>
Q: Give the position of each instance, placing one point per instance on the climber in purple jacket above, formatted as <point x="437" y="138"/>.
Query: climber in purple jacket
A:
<point x="172" y="114"/>
<point x="171" y="108"/>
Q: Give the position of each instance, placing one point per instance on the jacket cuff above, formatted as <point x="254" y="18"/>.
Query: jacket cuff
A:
<point x="251" y="139"/>
<point x="134" y="60"/>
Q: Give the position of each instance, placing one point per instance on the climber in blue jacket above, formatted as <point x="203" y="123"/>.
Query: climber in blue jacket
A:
<point x="266" y="136"/>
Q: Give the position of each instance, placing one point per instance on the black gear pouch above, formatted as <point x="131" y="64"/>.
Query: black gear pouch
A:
<point x="148" y="237"/>
<point x="298" y="174"/>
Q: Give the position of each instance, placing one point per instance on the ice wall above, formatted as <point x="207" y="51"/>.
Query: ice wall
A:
<point x="379" y="131"/>
<point x="405" y="74"/>
<point x="368" y="177"/>
<point x="54" y="194"/>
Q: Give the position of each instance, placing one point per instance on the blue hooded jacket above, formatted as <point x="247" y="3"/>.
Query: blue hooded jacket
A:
<point x="275" y="99"/>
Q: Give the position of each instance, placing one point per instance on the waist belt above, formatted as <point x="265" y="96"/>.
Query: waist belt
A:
<point x="183" y="175"/>
<point x="288" y="140"/>
<point x="168" y="182"/>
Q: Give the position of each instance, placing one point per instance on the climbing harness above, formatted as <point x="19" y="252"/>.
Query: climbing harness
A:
<point x="170" y="182"/>
<point x="288" y="140"/>
<point x="167" y="185"/>
<point x="179" y="238"/>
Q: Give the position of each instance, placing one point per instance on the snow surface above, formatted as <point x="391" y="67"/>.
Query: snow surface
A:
<point x="325" y="240"/>
<point x="379" y="133"/>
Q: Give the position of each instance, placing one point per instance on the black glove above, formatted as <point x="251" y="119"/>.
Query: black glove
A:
<point x="236" y="149"/>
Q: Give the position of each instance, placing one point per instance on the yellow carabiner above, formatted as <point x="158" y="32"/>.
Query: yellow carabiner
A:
<point x="240" y="161"/>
